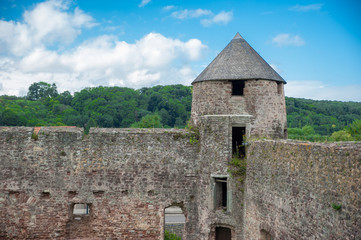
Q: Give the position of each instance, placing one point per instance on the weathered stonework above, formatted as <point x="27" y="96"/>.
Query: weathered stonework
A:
<point x="262" y="101"/>
<point x="129" y="176"/>
<point x="293" y="190"/>
<point x="126" y="176"/>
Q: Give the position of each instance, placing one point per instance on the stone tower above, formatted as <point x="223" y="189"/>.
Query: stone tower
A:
<point x="240" y="83"/>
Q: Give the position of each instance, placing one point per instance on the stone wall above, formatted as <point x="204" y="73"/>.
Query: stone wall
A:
<point x="261" y="101"/>
<point x="126" y="176"/>
<point x="294" y="190"/>
<point x="215" y="154"/>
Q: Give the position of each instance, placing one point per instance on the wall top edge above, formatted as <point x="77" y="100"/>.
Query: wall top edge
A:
<point x="228" y="115"/>
<point x="68" y="129"/>
<point x="307" y="143"/>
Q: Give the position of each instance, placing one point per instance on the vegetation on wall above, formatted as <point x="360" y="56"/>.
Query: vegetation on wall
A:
<point x="170" y="236"/>
<point x="163" y="106"/>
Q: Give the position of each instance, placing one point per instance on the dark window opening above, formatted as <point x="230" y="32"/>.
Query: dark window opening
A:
<point x="45" y="194"/>
<point x="279" y="87"/>
<point x="72" y="194"/>
<point x="223" y="233"/>
<point x="81" y="209"/>
<point x="220" y="193"/>
<point x="237" y="87"/>
<point x="238" y="145"/>
<point x="265" y="235"/>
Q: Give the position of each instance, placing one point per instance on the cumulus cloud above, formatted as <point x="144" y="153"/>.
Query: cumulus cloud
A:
<point x="106" y="61"/>
<point x="285" y="39"/>
<point x="184" y="14"/>
<point x="319" y="91"/>
<point x="143" y="3"/>
<point x="307" y="8"/>
<point x="221" y="18"/>
<point x="48" y="23"/>
<point x="33" y="50"/>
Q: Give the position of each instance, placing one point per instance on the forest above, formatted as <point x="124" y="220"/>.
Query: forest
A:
<point x="163" y="106"/>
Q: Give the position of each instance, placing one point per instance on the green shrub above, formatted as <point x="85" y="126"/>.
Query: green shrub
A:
<point x="336" y="206"/>
<point x="171" y="236"/>
<point x="341" y="136"/>
<point x="238" y="168"/>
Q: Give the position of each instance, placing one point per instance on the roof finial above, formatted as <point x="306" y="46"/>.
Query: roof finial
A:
<point x="238" y="36"/>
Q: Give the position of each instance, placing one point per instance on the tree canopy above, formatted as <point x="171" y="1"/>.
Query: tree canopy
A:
<point x="41" y="90"/>
<point x="162" y="106"/>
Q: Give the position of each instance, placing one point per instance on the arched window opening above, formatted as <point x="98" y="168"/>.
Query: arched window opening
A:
<point x="174" y="223"/>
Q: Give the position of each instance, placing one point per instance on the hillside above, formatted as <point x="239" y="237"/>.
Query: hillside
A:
<point x="158" y="106"/>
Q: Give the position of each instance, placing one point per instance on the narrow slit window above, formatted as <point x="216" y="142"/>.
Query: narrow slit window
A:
<point x="220" y="193"/>
<point x="238" y="145"/>
<point x="279" y="88"/>
<point x="237" y="87"/>
<point x="81" y="209"/>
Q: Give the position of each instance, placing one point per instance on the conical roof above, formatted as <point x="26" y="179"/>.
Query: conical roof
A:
<point x="238" y="61"/>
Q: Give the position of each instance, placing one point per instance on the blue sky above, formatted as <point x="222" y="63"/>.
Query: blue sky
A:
<point x="314" y="45"/>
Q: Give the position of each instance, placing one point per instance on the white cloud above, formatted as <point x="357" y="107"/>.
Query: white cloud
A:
<point x="33" y="50"/>
<point x="143" y="3"/>
<point x="154" y="59"/>
<point x="48" y="23"/>
<point x="185" y="14"/>
<point x="307" y="8"/>
<point x="285" y="39"/>
<point x="320" y="91"/>
<point x="221" y="18"/>
<point x="168" y="8"/>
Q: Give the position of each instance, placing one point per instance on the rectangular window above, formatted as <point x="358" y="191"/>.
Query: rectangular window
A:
<point x="81" y="209"/>
<point x="223" y="233"/>
<point x="237" y="87"/>
<point x="220" y="198"/>
<point x="238" y="137"/>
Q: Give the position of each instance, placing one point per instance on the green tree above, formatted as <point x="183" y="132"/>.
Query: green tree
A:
<point x="354" y="129"/>
<point x="341" y="135"/>
<point x="10" y="118"/>
<point x="65" y="98"/>
<point x="41" y="90"/>
<point x="149" y="121"/>
<point x="308" y="130"/>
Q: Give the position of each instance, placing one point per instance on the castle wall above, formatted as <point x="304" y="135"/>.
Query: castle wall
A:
<point x="262" y="100"/>
<point x="129" y="176"/>
<point x="126" y="176"/>
<point x="293" y="190"/>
